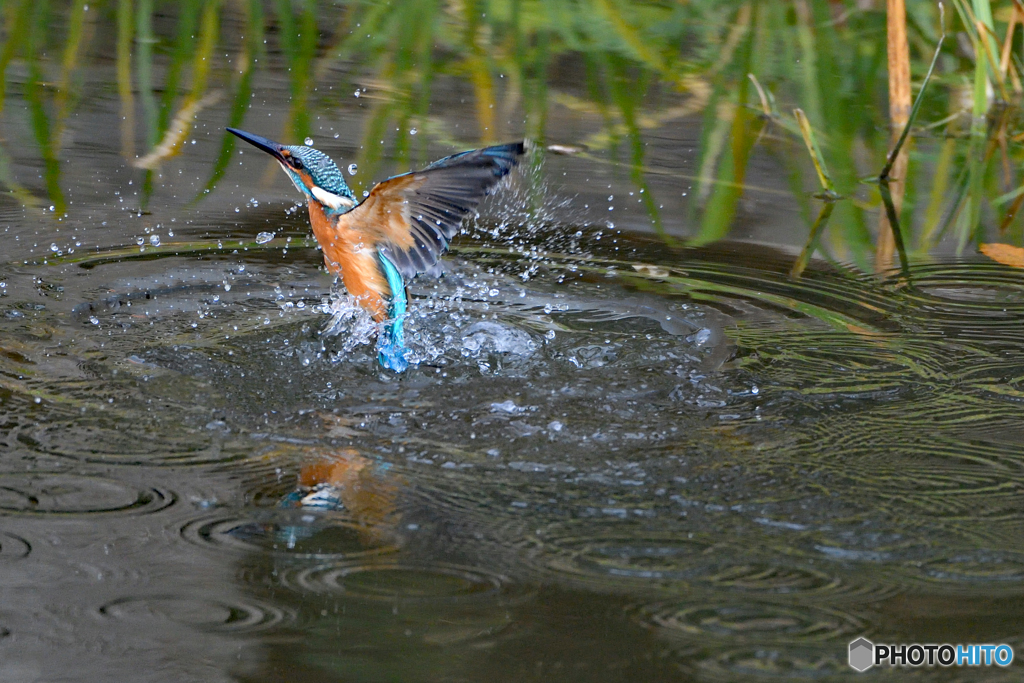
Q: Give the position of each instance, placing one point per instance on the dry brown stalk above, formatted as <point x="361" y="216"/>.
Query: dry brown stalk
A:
<point x="899" y="112"/>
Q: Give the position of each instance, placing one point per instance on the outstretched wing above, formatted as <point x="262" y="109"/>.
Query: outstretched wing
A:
<point x="412" y="217"/>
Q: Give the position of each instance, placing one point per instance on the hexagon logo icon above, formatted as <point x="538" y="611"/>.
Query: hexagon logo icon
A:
<point x="862" y="654"/>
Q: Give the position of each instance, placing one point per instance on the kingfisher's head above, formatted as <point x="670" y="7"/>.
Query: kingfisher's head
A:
<point x="311" y="170"/>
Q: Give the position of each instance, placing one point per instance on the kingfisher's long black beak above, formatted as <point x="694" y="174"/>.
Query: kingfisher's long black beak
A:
<point x="269" y="146"/>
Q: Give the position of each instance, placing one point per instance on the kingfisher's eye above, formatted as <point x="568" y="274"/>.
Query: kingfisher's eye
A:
<point x="297" y="163"/>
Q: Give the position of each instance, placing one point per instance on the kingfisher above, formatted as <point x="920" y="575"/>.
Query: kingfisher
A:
<point x="400" y="229"/>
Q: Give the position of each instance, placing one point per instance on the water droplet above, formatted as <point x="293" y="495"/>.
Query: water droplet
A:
<point x="140" y="241"/>
<point x="154" y="240"/>
<point x="352" y="168"/>
<point x="356" y="93"/>
<point x="94" y="320"/>
<point x="413" y="131"/>
<point x="264" y="237"/>
<point x="308" y="142"/>
<point x="53" y="247"/>
<point x="52" y="208"/>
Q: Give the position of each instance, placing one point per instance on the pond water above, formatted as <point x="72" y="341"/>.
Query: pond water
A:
<point x="613" y="460"/>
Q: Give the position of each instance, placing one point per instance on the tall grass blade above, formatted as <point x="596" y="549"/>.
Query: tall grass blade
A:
<point x="894" y="152"/>
<point x="69" y="61"/>
<point x="184" y="46"/>
<point x="125" y="35"/>
<point x="252" y="48"/>
<point x="746" y="131"/>
<point x="41" y="124"/>
<point x="144" y="41"/>
<point x="939" y="195"/>
<point x="898" y="60"/>
<point x="816" y="157"/>
<point x="812" y="240"/>
<point x="298" y="40"/>
<point x="8" y="180"/>
<point x="16" y="22"/>
<point x="478" y="67"/>
<point x="891" y="160"/>
<point x="808" y="60"/>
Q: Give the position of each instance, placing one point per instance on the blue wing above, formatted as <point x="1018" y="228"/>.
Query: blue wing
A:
<point x="441" y="196"/>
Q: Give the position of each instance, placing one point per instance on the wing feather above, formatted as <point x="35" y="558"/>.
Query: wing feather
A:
<point x="412" y="217"/>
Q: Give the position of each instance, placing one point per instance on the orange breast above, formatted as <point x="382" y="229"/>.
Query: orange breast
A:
<point x="348" y="253"/>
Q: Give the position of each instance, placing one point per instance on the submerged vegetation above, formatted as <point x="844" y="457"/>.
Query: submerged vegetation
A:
<point x="763" y="78"/>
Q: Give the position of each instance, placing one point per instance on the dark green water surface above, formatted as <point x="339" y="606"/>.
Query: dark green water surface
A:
<point x="615" y="460"/>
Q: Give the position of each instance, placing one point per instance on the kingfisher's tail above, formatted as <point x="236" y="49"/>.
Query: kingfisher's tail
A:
<point x="391" y="349"/>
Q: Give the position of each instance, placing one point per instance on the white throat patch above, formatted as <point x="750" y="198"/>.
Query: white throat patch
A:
<point x="330" y="199"/>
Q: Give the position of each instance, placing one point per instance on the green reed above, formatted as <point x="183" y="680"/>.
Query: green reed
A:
<point x="646" y="64"/>
<point x="39" y="114"/>
<point x="828" y="193"/>
<point x="250" y="51"/>
<point x="884" y="177"/>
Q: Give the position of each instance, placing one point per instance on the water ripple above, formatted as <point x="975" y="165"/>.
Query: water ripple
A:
<point x="208" y="614"/>
<point x="772" y="578"/>
<point x="399" y="581"/>
<point x="783" y="662"/>
<point x="969" y="571"/>
<point x="756" y="622"/>
<point x="625" y="553"/>
<point x="286" y="534"/>
<point x="113" y="441"/>
<point x="73" y="494"/>
<point x="13" y="547"/>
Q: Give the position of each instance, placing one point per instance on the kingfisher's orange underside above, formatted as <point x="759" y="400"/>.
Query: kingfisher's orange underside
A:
<point x="350" y="240"/>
